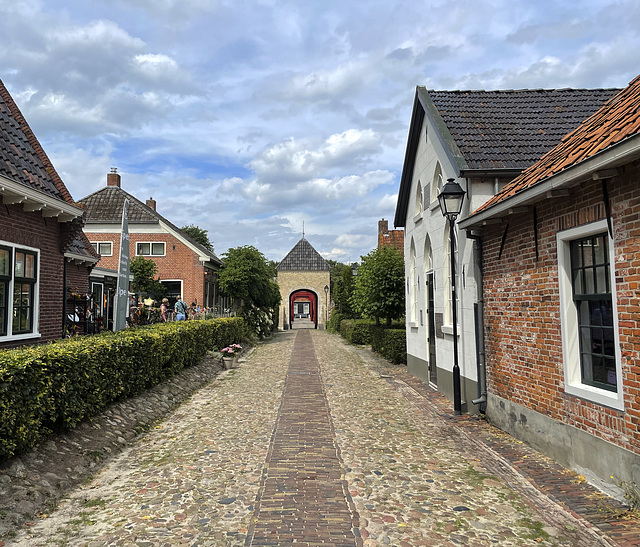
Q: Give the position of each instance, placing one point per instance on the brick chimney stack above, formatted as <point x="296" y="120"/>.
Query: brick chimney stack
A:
<point x="383" y="227"/>
<point x="151" y="203"/>
<point x="113" y="179"/>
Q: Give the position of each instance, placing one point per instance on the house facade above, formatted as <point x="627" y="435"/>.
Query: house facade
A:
<point x="42" y="249"/>
<point x="390" y="238"/>
<point x="304" y="280"/>
<point x="185" y="267"/>
<point x="561" y="277"/>
<point x="481" y="139"/>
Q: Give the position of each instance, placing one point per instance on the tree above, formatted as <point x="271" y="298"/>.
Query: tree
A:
<point x="247" y="276"/>
<point x="198" y="235"/>
<point x="144" y="272"/>
<point x="342" y="287"/>
<point x="379" y="285"/>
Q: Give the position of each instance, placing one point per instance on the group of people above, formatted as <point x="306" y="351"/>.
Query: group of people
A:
<point x="180" y="308"/>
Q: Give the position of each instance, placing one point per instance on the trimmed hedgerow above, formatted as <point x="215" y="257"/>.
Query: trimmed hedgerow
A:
<point x="391" y="343"/>
<point x="333" y="325"/>
<point x="57" y="385"/>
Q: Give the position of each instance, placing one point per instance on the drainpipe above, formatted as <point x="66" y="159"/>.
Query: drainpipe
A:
<point x="64" y="294"/>
<point x="496" y="186"/>
<point x="479" y="323"/>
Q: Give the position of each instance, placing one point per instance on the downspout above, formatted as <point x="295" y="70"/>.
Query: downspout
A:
<point x="64" y="294"/>
<point x="479" y="324"/>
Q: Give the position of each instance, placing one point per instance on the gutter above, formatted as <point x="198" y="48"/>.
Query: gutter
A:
<point x="479" y="324"/>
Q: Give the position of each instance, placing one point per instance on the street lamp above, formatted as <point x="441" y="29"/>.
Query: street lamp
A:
<point x="450" y="199"/>
<point x="326" y="305"/>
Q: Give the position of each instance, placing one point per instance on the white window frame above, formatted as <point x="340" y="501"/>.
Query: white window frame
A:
<point x="151" y="244"/>
<point x="96" y="247"/>
<point x="569" y="320"/>
<point x="447" y="327"/>
<point x="35" y="333"/>
<point x="413" y="290"/>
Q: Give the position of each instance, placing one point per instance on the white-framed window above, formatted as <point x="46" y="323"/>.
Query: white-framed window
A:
<point x="150" y="248"/>
<point x="588" y="315"/>
<point x="436" y="184"/>
<point x="413" y="272"/>
<point x="448" y="297"/>
<point x="427" y="267"/>
<point x="103" y="248"/>
<point x="419" y="200"/>
<point x="19" y="267"/>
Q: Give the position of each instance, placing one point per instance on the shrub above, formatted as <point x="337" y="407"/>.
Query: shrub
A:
<point x="391" y="343"/>
<point x="356" y="331"/>
<point x="333" y="325"/>
<point x="56" y="386"/>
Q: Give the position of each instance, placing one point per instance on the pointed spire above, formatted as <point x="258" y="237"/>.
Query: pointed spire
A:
<point x="303" y="229"/>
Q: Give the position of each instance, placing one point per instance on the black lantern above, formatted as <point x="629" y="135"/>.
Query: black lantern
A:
<point x="450" y="199"/>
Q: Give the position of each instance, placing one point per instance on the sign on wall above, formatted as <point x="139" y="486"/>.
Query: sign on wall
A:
<point x="121" y="308"/>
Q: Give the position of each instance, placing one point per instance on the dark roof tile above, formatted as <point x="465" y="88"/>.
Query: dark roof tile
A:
<point x="303" y="257"/>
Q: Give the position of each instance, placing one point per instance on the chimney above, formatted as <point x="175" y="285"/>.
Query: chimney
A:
<point x="113" y="179"/>
<point x="151" y="203"/>
<point x="383" y="227"/>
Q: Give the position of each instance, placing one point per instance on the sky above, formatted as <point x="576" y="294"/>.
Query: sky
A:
<point x="250" y="118"/>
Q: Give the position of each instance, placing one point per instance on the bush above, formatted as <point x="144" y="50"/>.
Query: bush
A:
<point x="333" y="325"/>
<point x="356" y="331"/>
<point x="56" y="386"/>
<point x="391" y="343"/>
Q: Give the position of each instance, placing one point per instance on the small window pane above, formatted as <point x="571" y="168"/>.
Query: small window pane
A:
<point x="600" y="248"/>
<point x="30" y="266"/>
<point x="157" y="248"/>
<point x="105" y="249"/>
<point x="143" y="249"/>
<point x="5" y="262"/>
<point x="602" y="280"/>
<point x="19" y="270"/>
<point x="589" y="281"/>
<point x="95" y="247"/>
<point x="587" y="252"/>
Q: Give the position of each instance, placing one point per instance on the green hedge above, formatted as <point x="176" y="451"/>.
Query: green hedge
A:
<point x="57" y="385"/>
<point x="356" y="331"/>
<point x="333" y="325"/>
<point x="391" y="343"/>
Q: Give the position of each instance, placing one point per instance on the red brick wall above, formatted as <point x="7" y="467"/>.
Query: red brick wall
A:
<point x="522" y="313"/>
<point x="32" y="230"/>
<point x="179" y="263"/>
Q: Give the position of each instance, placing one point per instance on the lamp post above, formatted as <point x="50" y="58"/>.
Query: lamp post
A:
<point x="450" y="199"/>
<point x="326" y="305"/>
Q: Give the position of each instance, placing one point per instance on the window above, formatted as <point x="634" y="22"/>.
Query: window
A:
<point x="103" y="248"/>
<point x="436" y="185"/>
<point x="419" y="200"/>
<point x="448" y="297"/>
<point x="413" y="291"/>
<point x="18" y="290"/>
<point x="589" y="315"/>
<point x="150" y="249"/>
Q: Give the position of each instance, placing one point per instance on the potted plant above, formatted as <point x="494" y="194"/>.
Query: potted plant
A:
<point x="230" y="354"/>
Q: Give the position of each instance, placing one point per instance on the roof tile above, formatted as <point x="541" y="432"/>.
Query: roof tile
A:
<point x="303" y="257"/>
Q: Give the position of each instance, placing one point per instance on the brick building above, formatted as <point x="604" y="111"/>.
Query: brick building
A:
<point x="390" y="238"/>
<point x="483" y="139"/>
<point x="43" y="253"/>
<point x="185" y="267"/>
<point x="561" y="277"/>
<point x="303" y="278"/>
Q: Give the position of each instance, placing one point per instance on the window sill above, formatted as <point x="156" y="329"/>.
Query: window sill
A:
<point x="14" y="337"/>
<point x="417" y="218"/>
<point x="413" y="325"/>
<point x="435" y="204"/>
<point x="598" y="396"/>
<point x="448" y="329"/>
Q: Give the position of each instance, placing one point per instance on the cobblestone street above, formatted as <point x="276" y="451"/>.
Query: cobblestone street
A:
<point x="310" y="441"/>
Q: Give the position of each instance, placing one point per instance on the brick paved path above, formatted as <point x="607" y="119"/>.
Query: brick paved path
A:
<point x="292" y="449"/>
<point x="303" y="494"/>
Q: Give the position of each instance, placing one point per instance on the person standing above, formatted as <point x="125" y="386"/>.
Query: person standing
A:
<point x="163" y="309"/>
<point x="180" y="308"/>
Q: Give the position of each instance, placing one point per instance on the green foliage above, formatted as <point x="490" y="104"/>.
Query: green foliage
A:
<point x="356" y="331"/>
<point x="379" y="285"/>
<point x="56" y="386"/>
<point x="342" y="286"/>
<point x="333" y="325"/>
<point x="248" y="276"/>
<point x="198" y="235"/>
<point x="144" y="272"/>
<point x="391" y="343"/>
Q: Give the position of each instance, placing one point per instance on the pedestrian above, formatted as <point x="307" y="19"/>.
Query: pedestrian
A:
<point x="163" y="309"/>
<point x="180" y="308"/>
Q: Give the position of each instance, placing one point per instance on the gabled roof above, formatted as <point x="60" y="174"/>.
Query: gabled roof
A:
<point x="615" y="124"/>
<point x="303" y="257"/>
<point x="22" y="158"/>
<point x="105" y="207"/>
<point x="501" y="132"/>
<point x="80" y="250"/>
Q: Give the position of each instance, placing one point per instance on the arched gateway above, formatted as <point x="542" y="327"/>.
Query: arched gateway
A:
<point x="303" y="276"/>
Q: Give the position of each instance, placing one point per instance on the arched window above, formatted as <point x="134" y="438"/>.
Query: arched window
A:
<point x="419" y="199"/>
<point x="448" y="302"/>
<point x="436" y="185"/>
<point x="413" y="296"/>
<point x="427" y="266"/>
